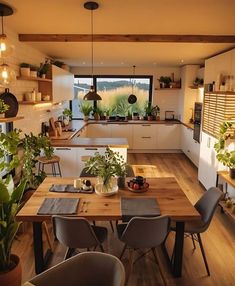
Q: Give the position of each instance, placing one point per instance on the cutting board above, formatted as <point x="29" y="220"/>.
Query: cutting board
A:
<point x="64" y="136"/>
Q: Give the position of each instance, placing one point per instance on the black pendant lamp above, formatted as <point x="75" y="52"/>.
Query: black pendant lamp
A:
<point x="132" y="98"/>
<point x="92" y="95"/>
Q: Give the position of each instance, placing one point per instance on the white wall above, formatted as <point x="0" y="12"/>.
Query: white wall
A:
<point x="166" y="99"/>
<point x="33" y="115"/>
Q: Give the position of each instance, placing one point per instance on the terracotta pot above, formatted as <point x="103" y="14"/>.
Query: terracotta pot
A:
<point x="232" y="173"/>
<point x="14" y="276"/>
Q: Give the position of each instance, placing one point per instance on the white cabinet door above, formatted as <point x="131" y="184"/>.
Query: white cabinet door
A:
<point x="168" y="136"/>
<point x="68" y="161"/>
<point x="144" y="136"/>
<point x="194" y="152"/>
<point x="122" y="131"/>
<point x="99" y="130"/>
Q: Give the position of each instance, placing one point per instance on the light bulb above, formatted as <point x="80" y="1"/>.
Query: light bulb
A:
<point x="6" y="49"/>
<point x="7" y="75"/>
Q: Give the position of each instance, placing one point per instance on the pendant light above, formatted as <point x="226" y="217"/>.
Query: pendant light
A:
<point x="132" y="98"/>
<point x="5" y="48"/>
<point x="92" y="95"/>
<point x="7" y="75"/>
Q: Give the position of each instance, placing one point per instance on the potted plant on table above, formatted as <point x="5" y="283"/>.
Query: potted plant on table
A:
<point x="107" y="168"/>
<point x="3" y="108"/>
<point x="86" y="108"/>
<point x="10" y="198"/>
<point x="225" y="155"/>
<point x="25" y="69"/>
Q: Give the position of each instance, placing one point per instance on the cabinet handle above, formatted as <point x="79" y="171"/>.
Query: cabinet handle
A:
<point x="146" y="137"/>
<point x="63" y="148"/>
<point x="91" y="148"/>
<point x="146" y="125"/>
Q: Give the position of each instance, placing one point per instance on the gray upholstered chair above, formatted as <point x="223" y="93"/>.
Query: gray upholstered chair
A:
<point x="76" y="232"/>
<point x="206" y="206"/>
<point x="87" y="268"/>
<point x="142" y="233"/>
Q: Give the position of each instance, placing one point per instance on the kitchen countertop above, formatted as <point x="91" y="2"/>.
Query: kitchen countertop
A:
<point x="189" y="125"/>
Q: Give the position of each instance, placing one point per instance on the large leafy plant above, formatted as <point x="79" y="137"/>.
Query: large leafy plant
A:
<point x="225" y="156"/>
<point x="10" y="197"/>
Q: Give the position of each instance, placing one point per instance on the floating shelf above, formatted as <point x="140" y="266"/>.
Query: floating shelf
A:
<point x="196" y="86"/>
<point x="168" y="88"/>
<point x="33" y="78"/>
<point x="11" y="119"/>
<point x="220" y="92"/>
<point x="34" y="102"/>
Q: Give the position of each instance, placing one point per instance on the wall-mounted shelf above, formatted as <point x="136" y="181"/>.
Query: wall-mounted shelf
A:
<point x="168" y="88"/>
<point x="195" y="86"/>
<point x="34" y="102"/>
<point x="11" y="119"/>
<point x="33" y="78"/>
<point x="220" y="92"/>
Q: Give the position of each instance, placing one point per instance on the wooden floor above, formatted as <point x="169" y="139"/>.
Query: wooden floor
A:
<point x="219" y="240"/>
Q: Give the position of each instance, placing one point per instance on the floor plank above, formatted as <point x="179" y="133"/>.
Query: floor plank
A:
<point x="218" y="240"/>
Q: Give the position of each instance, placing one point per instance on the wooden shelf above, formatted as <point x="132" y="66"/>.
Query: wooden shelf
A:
<point x="168" y="88"/>
<point x="34" y="78"/>
<point x="227" y="210"/>
<point x="34" y="102"/>
<point x="10" y="119"/>
<point x="195" y="86"/>
<point x="220" y="92"/>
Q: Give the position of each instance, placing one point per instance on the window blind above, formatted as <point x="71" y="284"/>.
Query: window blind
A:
<point x="217" y="107"/>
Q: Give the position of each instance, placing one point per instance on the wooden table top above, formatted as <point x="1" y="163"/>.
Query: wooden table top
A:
<point x="172" y="201"/>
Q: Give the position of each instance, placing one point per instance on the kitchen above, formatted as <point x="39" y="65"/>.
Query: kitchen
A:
<point x="167" y="141"/>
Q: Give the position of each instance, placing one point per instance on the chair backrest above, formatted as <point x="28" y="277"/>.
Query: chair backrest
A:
<point x="87" y="268"/>
<point x="146" y="232"/>
<point x="74" y="232"/>
<point x="207" y="204"/>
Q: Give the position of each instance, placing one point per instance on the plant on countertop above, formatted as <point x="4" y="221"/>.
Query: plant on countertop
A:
<point x="106" y="166"/>
<point x="224" y="155"/>
<point x="67" y="113"/>
<point x="151" y="111"/>
<point x="3" y="106"/>
<point x="10" y="197"/>
<point x="86" y="108"/>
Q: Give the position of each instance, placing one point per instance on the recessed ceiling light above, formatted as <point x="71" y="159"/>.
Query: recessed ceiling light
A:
<point x="154" y="63"/>
<point x="101" y="63"/>
<point x="182" y="61"/>
<point x="83" y="63"/>
<point x="122" y="63"/>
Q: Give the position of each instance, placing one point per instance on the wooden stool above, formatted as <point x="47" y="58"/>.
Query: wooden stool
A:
<point x="42" y="161"/>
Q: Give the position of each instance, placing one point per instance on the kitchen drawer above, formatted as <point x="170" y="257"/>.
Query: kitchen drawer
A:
<point x="144" y="142"/>
<point x="140" y="130"/>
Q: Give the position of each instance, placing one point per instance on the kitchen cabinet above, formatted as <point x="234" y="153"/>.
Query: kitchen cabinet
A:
<point x="167" y="136"/>
<point x="144" y="136"/>
<point x="189" y="146"/>
<point x="99" y="130"/>
<point x="123" y="131"/>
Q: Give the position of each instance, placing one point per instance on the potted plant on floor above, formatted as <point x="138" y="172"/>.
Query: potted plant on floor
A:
<point x="86" y="108"/>
<point x="107" y="168"/>
<point x="10" y="198"/>
<point x="225" y="155"/>
<point x="3" y="108"/>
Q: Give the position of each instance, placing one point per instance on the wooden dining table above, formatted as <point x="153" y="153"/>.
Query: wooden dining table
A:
<point x="170" y="197"/>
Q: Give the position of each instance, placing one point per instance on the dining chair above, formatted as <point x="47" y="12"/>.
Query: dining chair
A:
<point x="76" y="232"/>
<point x="206" y="206"/>
<point x="144" y="233"/>
<point x="84" y="269"/>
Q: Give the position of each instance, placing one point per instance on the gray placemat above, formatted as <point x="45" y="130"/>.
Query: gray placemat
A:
<point x="59" y="206"/>
<point x="131" y="207"/>
<point x="69" y="189"/>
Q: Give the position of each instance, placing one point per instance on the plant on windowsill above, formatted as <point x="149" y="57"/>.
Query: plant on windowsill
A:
<point x="107" y="168"/>
<point x="224" y="155"/>
<point x="86" y="108"/>
<point x="3" y="108"/>
<point x="10" y="200"/>
<point x="152" y="112"/>
<point x="67" y="113"/>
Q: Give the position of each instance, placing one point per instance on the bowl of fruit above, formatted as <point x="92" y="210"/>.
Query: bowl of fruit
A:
<point x="138" y="184"/>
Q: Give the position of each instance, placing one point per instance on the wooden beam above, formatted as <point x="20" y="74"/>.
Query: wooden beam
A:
<point x="127" y="38"/>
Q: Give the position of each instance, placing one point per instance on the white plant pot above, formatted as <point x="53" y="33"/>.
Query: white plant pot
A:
<point x="25" y="72"/>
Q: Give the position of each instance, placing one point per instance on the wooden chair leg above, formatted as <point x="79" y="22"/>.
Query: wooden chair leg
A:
<point x="155" y="254"/>
<point x="194" y="246"/>
<point x="48" y="237"/>
<point x="203" y="254"/>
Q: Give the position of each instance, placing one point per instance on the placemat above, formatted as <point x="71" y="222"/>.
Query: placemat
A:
<point x="59" y="206"/>
<point x="131" y="207"/>
<point x="69" y="189"/>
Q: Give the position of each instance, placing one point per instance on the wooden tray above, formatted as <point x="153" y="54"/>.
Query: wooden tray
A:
<point x="138" y="191"/>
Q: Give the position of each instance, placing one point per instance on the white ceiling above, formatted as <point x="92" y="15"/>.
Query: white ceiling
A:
<point x="215" y="17"/>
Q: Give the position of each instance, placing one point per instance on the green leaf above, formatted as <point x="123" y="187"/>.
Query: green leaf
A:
<point x="4" y="195"/>
<point x="18" y="191"/>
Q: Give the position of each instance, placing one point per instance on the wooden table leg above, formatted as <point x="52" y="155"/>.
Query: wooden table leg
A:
<point x="40" y="260"/>
<point x="178" y="249"/>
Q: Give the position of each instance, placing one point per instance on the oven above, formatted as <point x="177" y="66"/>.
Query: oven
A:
<point x="197" y="121"/>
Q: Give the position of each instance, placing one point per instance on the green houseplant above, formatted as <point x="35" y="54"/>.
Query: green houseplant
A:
<point x="86" y="108"/>
<point x="25" y="69"/>
<point x="224" y="155"/>
<point x="67" y="113"/>
<point x="3" y="108"/>
<point x="165" y="81"/>
<point x="10" y="197"/>
<point x="106" y="167"/>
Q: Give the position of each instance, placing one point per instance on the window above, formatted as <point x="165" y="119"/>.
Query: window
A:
<point x="114" y="91"/>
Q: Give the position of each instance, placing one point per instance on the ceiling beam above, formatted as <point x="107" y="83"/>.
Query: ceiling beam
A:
<point x="127" y="38"/>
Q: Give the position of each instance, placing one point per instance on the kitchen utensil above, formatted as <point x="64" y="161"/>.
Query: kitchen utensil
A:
<point x="169" y="115"/>
<point x="11" y="100"/>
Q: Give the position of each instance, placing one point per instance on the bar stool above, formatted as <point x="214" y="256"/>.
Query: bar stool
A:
<point x="42" y="161"/>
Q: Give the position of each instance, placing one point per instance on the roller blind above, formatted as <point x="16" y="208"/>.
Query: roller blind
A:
<point x="217" y="107"/>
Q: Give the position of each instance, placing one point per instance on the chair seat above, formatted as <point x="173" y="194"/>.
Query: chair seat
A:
<point x="100" y="232"/>
<point x="45" y="160"/>
<point x="197" y="226"/>
<point x="120" y="229"/>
